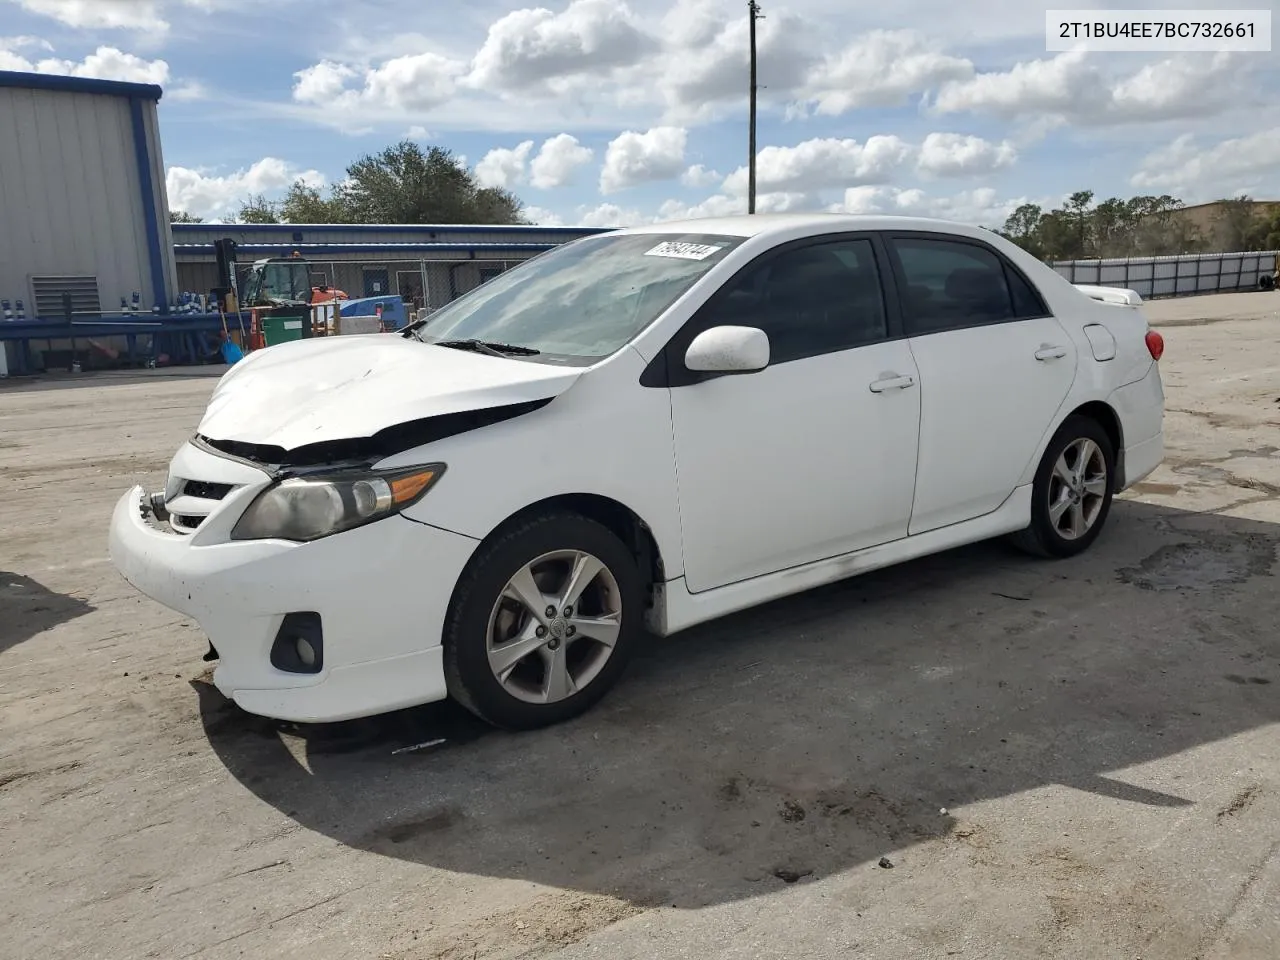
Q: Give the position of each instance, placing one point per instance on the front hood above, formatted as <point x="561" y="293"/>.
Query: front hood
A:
<point x="339" y="388"/>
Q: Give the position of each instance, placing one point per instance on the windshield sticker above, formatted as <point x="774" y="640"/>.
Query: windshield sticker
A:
<point x="683" y="251"/>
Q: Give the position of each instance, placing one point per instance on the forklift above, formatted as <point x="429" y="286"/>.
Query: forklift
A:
<point x="277" y="292"/>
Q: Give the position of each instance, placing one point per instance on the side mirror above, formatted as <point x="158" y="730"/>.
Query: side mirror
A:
<point x="728" y="350"/>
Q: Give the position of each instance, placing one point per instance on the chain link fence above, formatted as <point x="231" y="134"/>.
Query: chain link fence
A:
<point x="423" y="284"/>
<point x="1156" y="277"/>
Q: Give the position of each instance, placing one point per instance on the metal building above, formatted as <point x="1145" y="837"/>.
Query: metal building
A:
<point x="426" y="264"/>
<point x="83" y="209"/>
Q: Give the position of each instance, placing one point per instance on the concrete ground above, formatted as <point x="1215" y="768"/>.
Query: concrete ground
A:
<point x="1055" y="760"/>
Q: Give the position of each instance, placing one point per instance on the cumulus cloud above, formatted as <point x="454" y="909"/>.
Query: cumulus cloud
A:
<point x="1183" y="167"/>
<point x="536" y="48"/>
<point x="979" y="207"/>
<point x="553" y="166"/>
<point x="542" y="217"/>
<point x="503" y="167"/>
<point x="957" y="155"/>
<point x="983" y="206"/>
<point x="724" y="205"/>
<point x="633" y="158"/>
<point x="824" y="162"/>
<point x="105" y="63"/>
<point x="410" y="84"/>
<point x="699" y="176"/>
<point x="322" y="82"/>
<point x="617" y="64"/>
<point x="609" y="215"/>
<point x="1076" y="87"/>
<point x="704" y="62"/>
<point x="559" y="159"/>
<point x="883" y="68"/>
<point x="209" y="195"/>
<point x="829" y="162"/>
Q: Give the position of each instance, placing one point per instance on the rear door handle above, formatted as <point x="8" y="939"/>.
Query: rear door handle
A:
<point x="1047" y="352"/>
<point x="892" y="383"/>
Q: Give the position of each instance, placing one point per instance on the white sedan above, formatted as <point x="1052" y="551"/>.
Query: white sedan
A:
<point x="644" y="429"/>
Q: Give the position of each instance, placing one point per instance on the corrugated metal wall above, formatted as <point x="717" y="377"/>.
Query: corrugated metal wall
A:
<point x="70" y="194"/>
<point x="169" y="261"/>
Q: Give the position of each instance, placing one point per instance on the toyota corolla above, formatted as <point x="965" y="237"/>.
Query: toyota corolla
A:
<point x="631" y="434"/>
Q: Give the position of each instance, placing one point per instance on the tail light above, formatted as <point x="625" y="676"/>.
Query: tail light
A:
<point x="1155" y="345"/>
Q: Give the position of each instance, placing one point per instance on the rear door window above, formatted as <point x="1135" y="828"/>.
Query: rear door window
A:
<point x="950" y="284"/>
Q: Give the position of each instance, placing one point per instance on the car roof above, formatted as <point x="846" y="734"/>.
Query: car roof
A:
<point x="764" y="224"/>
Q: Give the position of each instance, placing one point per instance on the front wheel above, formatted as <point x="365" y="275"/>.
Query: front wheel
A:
<point x="543" y="622"/>
<point x="1072" y="493"/>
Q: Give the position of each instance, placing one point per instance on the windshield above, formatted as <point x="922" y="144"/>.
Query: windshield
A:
<point x="584" y="300"/>
<point x="289" y="280"/>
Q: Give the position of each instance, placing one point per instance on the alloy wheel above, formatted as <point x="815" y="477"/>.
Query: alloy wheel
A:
<point x="554" y="626"/>
<point x="1077" y="489"/>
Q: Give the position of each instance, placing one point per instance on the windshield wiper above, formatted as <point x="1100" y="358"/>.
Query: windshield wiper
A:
<point x="492" y="348"/>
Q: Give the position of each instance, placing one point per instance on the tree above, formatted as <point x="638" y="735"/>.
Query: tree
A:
<point x="1266" y="234"/>
<point x="1161" y="228"/>
<point x="1058" y="237"/>
<point x="304" y="204"/>
<point x="405" y="184"/>
<point x="258" y="209"/>
<point x="1112" y="229"/>
<point x="1238" y="223"/>
<point x="402" y="184"/>
<point x="1023" y="228"/>
<point x="1078" y="207"/>
<point x="181" y="216"/>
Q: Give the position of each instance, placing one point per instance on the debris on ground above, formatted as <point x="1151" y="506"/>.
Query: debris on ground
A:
<point x="419" y="746"/>
<point x="791" y="812"/>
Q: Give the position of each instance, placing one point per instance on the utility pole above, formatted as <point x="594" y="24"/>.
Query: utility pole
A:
<point x="753" y="11"/>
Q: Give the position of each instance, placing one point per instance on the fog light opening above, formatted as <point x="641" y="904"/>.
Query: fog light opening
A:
<point x="299" y="644"/>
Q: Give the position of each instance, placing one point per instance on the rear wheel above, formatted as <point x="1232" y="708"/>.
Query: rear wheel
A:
<point x="543" y="622"/>
<point x="1072" y="493"/>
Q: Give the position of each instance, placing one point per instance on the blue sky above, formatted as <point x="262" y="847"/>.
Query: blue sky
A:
<point x="603" y="113"/>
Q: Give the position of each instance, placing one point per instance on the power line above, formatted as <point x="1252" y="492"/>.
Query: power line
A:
<point x="753" y="14"/>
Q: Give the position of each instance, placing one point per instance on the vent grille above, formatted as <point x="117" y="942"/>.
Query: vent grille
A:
<point x="47" y="294"/>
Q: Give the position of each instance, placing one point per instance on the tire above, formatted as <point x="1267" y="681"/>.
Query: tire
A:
<point x="484" y="615"/>
<point x="1054" y="539"/>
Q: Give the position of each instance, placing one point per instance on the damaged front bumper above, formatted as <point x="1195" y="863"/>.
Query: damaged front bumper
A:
<point x="377" y="595"/>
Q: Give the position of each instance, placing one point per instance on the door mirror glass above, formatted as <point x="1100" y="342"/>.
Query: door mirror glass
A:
<point x="728" y="349"/>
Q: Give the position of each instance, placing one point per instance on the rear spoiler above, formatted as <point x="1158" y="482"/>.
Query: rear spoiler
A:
<point x="1117" y="296"/>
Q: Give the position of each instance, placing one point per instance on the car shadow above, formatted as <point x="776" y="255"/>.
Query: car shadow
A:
<point x="28" y="608"/>
<point x="823" y="731"/>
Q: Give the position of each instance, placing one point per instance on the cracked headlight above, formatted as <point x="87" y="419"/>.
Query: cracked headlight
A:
<point x="308" y="508"/>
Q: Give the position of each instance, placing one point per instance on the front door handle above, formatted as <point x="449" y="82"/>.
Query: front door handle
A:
<point x="892" y="382"/>
<point x="1046" y="352"/>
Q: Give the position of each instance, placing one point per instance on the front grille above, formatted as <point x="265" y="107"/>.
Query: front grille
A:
<point x="206" y="490"/>
<point x="186" y="522"/>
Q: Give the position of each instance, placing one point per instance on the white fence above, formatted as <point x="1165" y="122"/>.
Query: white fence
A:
<point x="1153" y="277"/>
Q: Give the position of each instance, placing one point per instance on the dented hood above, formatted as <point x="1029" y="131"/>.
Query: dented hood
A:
<point x="338" y="388"/>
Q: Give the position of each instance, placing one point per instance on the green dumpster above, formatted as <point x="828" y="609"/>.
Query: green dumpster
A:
<point x="279" y="328"/>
